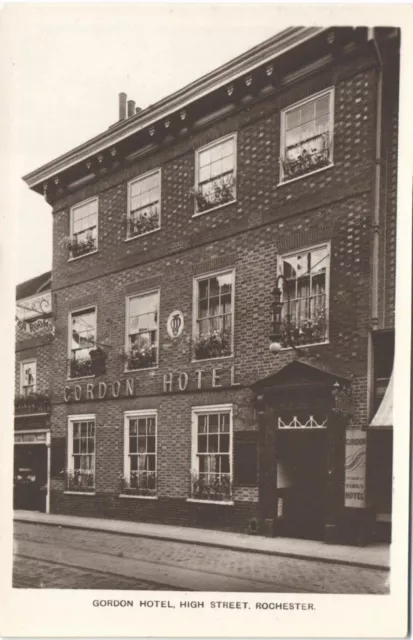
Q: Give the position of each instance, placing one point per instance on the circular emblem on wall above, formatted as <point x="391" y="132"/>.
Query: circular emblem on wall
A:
<point x="175" y="324"/>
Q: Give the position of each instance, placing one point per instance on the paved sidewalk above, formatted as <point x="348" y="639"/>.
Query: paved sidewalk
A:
<point x="374" y="556"/>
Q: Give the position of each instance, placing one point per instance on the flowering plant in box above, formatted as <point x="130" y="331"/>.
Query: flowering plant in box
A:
<point x="81" y="247"/>
<point x="214" y="344"/>
<point x="221" y="192"/>
<point x="309" y="157"/>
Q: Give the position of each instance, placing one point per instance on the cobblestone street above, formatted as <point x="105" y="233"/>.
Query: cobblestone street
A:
<point x="55" y="557"/>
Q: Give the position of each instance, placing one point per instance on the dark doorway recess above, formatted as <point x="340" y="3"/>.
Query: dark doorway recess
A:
<point x="30" y="477"/>
<point x="301" y="481"/>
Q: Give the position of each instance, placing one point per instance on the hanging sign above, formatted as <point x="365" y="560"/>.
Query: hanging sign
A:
<point x="355" y="469"/>
<point x="175" y="324"/>
<point x="40" y="305"/>
<point x="42" y="325"/>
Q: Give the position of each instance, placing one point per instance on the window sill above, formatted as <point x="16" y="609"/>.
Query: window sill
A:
<point x="305" y="175"/>
<point x="194" y="361"/>
<point x="306" y="346"/>
<point x="126" y="495"/>
<point x="143" y="369"/>
<point x="142" y="234"/>
<point x="222" y="502"/>
<point x="84" y="255"/>
<point x="79" y="493"/>
<point x="218" y="206"/>
<point x="79" y="378"/>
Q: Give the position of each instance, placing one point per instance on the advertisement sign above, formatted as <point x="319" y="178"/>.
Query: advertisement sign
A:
<point x="175" y="324"/>
<point x="40" y="305"/>
<point x="42" y="325"/>
<point x="355" y="469"/>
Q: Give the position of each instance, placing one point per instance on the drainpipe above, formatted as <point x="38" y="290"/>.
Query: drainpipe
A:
<point x="374" y="320"/>
<point x="377" y="187"/>
<point x="48" y="443"/>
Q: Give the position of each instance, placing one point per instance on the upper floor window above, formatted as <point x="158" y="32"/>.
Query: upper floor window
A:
<point x="305" y="295"/>
<point x="215" y="168"/>
<point x="83" y="228"/>
<point x="307" y="136"/>
<point x="144" y="204"/>
<point x="28" y="377"/>
<point x="142" y="331"/>
<point x="82" y="339"/>
<point x="213" y="305"/>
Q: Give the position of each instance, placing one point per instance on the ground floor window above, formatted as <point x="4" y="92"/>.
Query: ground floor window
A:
<point x="211" y="473"/>
<point x="80" y="473"/>
<point x="139" y="474"/>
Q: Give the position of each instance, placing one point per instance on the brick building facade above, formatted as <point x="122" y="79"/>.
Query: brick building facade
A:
<point x="33" y="370"/>
<point x="169" y="233"/>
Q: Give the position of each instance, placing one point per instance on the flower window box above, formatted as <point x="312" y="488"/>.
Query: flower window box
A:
<point x="80" y="481"/>
<point x="138" y="483"/>
<point x="216" y="487"/>
<point x="216" y="344"/>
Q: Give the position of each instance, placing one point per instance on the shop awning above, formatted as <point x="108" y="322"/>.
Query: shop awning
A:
<point x="384" y="414"/>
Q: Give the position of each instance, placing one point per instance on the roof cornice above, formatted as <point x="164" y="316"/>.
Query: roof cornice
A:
<point x="248" y="61"/>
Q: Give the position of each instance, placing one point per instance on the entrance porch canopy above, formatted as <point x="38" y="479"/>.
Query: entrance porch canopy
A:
<point x="300" y="374"/>
<point x="383" y="418"/>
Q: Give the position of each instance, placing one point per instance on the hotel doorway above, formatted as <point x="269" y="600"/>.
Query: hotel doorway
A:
<point x="301" y="482"/>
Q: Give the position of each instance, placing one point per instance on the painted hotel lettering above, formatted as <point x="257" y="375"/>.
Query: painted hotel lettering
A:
<point x="179" y="381"/>
<point x="100" y="390"/>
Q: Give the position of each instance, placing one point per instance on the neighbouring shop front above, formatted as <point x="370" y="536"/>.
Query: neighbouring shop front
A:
<point x="31" y="463"/>
<point x="312" y="459"/>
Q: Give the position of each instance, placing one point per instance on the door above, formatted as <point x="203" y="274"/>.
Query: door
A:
<point x="30" y="477"/>
<point x="302" y="458"/>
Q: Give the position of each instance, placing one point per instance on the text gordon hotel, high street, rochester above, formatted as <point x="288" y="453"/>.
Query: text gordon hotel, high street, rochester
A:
<point x="214" y="344"/>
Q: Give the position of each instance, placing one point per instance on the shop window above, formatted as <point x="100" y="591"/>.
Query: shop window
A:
<point x="211" y="474"/>
<point x="246" y="458"/>
<point x="139" y="477"/>
<point x="305" y="296"/>
<point x="144" y="204"/>
<point x="213" y="326"/>
<point x="83" y="228"/>
<point x="82" y="341"/>
<point x="28" y="377"/>
<point x="307" y="136"/>
<point x="141" y="351"/>
<point x="215" y="170"/>
<point x="80" y="473"/>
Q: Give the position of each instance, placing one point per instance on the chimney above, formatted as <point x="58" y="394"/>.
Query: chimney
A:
<point x="131" y="108"/>
<point x="122" y="106"/>
<point x="138" y="109"/>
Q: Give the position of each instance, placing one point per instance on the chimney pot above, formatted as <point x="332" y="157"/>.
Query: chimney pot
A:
<point x="138" y="109"/>
<point x="122" y="106"/>
<point x="131" y="108"/>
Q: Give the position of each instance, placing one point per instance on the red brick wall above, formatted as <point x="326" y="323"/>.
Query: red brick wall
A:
<point x="333" y="205"/>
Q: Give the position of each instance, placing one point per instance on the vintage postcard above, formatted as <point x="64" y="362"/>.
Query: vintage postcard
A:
<point x="206" y="285"/>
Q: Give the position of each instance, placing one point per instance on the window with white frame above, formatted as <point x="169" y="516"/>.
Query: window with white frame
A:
<point x="139" y="477"/>
<point x="80" y="473"/>
<point x="83" y="228"/>
<point x="307" y="136"/>
<point x="28" y="377"/>
<point x="144" y="204"/>
<point x="142" y="330"/>
<point x="82" y="339"/>
<point x="213" y="306"/>
<point x="211" y="474"/>
<point x="215" y="174"/>
<point x="305" y="295"/>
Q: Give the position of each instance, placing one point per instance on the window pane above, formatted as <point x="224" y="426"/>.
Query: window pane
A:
<point x="202" y="443"/>
<point x="213" y="422"/>
<point x="133" y="444"/>
<point x="202" y="424"/>
<point x="322" y="106"/>
<point x="151" y="444"/>
<point x="224" y="443"/>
